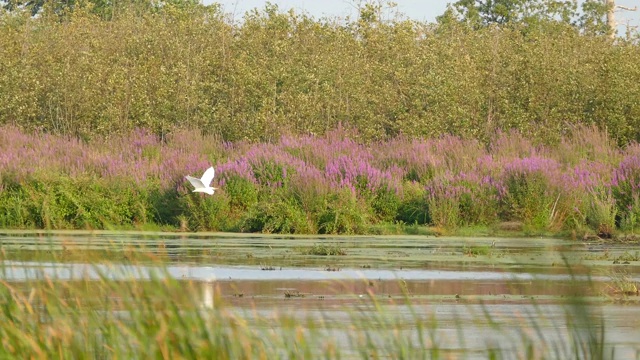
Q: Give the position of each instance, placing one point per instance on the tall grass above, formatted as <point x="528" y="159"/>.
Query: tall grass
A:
<point x="131" y="315"/>
<point x="318" y="184"/>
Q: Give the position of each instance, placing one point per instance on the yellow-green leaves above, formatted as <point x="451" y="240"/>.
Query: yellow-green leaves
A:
<point x="183" y="65"/>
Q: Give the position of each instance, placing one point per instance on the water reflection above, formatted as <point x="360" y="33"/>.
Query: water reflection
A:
<point x="22" y="270"/>
<point x="208" y="294"/>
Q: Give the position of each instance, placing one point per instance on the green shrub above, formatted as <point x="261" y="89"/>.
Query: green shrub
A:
<point x="66" y="203"/>
<point x="444" y="201"/>
<point x="625" y="190"/>
<point x="385" y="204"/>
<point x="343" y="213"/>
<point x="269" y="173"/>
<point x="529" y="199"/>
<point x="15" y="208"/>
<point x="281" y="215"/>
<point x="206" y="213"/>
<point x="165" y="205"/>
<point x="414" y="208"/>
<point x="243" y="194"/>
<point x="602" y="211"/>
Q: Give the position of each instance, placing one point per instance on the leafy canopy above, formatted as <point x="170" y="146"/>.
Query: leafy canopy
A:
<point x="588" y="17"/>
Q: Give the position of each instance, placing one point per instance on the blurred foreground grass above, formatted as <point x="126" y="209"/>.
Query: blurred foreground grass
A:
<point x="158" y="316"/>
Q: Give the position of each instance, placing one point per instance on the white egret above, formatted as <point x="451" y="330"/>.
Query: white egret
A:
<point x="203" y="184"/>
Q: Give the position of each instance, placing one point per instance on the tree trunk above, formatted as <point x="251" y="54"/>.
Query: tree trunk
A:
<point x="611" y="17"/>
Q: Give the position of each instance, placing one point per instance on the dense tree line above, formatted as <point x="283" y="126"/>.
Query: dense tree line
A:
<point x="86" y="68"/>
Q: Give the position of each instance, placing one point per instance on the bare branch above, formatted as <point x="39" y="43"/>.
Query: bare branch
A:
<point x="635" y="8"/>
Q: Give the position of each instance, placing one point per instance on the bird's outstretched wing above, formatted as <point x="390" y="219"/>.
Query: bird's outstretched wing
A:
<point x="207" y="177"/>
<point x="197" y="183"/>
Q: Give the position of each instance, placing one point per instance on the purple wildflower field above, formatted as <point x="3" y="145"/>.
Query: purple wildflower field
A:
<point x="584" y="182"/>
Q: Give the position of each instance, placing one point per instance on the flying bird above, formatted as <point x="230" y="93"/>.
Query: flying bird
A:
<point x="203" y="184"/>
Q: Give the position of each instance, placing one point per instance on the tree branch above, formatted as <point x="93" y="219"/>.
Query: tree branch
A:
<point x="635" y="8"/>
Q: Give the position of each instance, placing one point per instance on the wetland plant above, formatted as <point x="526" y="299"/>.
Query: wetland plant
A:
<point x="157" y="316"/>
<point x="480" y="250"/>
<point x="622" y="284"/>
<point x="324" y="250"/>
<point x="328" y="184"/>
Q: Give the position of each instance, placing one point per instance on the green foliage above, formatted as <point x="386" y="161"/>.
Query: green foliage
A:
<point x="530" y="200"/>
<point x="64" y="203"/>
<point x="104" y="70"/>
<point x="627" y="203"/>
<point x="592" y="21"/>
<point x="385" y="204"/>
<point x="324" y="250"/>
<point x="278" y="215"/>
<point x="601" y="214"/>
<point x="206" y="212"/>
<point x="414" y="208"/>
<point x="270" y="173"/>
<point x="627" y="256"/>
<point x="342" y="214"/>
<point x="444" y="211"/>
<point x="15" y="209"/>
<point x="479" y="207"/>
<point x="243" y="194"/>
<point x="533" y="14"/>
<point x="480" y="250"/>
<point x="165" y="205"/>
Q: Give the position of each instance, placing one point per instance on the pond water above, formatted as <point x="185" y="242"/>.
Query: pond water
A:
<point x="464" y="285"/>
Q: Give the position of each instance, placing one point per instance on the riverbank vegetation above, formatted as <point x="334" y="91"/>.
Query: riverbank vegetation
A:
<point x="330" y="184"/>
<point x="373" y="124"/>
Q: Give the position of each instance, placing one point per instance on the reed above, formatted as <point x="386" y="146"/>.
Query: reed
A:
<point x="122" y="312"/>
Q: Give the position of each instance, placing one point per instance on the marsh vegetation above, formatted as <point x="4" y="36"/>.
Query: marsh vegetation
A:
<point x="376" y="124"/>
<point x="333" y="184"/>
<point x="523" y="125"/>
<point x="114" y="294"/>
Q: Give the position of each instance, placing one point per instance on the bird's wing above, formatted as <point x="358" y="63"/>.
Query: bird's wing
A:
<point x="195" y="182"/>
<point x="208" y="175"/>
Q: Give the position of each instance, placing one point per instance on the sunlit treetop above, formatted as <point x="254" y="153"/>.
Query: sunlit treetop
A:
<point x="588" y="17"/>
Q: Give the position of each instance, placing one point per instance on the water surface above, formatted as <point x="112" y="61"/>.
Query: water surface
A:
<point x="464" y="285"/>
